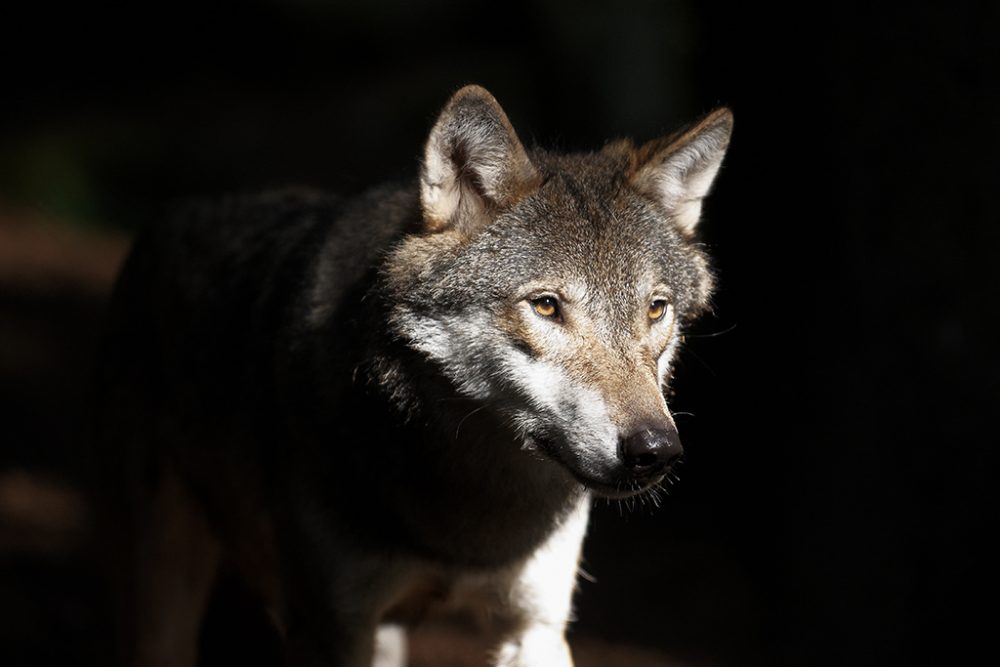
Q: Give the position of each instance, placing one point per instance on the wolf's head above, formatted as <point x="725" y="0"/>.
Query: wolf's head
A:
<point x="555" y="288"/>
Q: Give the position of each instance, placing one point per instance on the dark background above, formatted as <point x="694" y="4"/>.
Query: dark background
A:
<point x="834" y="508"/>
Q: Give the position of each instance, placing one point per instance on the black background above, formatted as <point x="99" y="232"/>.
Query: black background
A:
<point x="834" y="508"/>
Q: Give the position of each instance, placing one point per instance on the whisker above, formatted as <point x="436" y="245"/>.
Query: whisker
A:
<point x="462" y="420"/>
<point x="701" y="361"/>
<point x="714" y="334"/>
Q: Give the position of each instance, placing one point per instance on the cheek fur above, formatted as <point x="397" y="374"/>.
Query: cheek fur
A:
<point x="531" y="334"/>
<point x="515" y="326"/>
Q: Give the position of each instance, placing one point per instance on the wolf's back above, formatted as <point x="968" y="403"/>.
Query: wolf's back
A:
<point x="202" y="293"/>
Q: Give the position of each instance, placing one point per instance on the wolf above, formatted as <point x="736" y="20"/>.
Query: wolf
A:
<point x="371" y="408"/>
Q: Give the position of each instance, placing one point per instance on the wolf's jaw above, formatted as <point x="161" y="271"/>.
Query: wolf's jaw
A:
<point x="601" y="489"/>
<point x="617" y="493"/>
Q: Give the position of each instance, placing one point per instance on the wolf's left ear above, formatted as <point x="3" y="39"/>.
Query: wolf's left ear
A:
<point x="473" y="163"/>
<point x="679" y="170"/>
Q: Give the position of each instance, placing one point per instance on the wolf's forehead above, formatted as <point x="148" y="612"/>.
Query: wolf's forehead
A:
<point x="574" y="248"/>
<point x="603" y="237"/>
<point x="588" y="198"/>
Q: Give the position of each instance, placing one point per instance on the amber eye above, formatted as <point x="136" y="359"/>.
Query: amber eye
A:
<point x="657" y="309"/>
<point x="546" y="306"/>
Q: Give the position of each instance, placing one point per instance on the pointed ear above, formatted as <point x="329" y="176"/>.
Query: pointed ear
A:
<point x="679" y="170"/>
<point x="473" y="163"/>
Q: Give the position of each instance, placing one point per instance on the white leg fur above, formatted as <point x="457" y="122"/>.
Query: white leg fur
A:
<point x="536" y="648"/>
<point x="541" y="597"/>
<point x="390" y="646"/>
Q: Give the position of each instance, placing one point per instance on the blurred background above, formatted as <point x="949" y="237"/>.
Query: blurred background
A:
<point x="836" y="504"/>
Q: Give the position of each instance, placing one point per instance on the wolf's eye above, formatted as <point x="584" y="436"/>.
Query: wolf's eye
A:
<point x="546" y="306"/>
<point x="657" y="309"/>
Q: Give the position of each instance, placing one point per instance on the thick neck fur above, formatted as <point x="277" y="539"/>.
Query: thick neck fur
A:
<point x="469" y="490"/>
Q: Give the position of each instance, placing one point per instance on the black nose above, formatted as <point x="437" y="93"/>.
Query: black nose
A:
<point x="650" y="451"/>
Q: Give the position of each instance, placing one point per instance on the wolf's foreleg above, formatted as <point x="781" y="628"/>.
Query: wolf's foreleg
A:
<point x="540" y="597"/>
<point x="390" y="646"/>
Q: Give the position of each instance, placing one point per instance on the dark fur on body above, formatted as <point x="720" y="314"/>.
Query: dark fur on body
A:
<point x="258" y="359"/>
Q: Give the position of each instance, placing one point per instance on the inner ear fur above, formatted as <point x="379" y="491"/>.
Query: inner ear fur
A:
<point x="474" y="163"/>
<point x="678" y="170"/>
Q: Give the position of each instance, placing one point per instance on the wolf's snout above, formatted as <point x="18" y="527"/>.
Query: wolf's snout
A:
<point x="650" y="451"/>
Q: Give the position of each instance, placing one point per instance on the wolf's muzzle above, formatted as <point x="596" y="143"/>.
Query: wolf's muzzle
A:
<point x="650" y="451"/>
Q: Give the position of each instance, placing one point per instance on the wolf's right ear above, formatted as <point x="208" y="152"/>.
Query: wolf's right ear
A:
<point x="473" y="163"/>
<point x="679" y="170"/>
